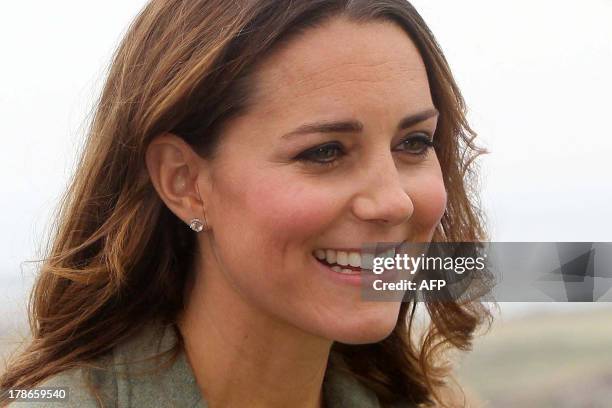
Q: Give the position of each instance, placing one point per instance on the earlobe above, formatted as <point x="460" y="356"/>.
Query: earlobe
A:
<point x="198" y="224"/>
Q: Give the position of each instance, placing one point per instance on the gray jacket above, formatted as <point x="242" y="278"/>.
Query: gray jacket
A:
<point x="125" y="385"/>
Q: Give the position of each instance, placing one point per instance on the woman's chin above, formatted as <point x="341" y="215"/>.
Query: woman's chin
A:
<point x="364" y="330"/>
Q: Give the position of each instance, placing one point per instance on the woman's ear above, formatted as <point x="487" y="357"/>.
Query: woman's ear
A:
<point x="177" y="173"/>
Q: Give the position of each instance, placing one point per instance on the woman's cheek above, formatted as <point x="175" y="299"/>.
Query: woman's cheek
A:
<point x="429" y="198"/>
<point x="291" y="210"/>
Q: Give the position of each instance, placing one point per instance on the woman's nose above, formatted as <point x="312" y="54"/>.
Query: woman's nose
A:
<point x="383" y="198"/>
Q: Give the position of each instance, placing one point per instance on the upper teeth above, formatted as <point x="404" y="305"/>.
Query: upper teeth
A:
<point x="351" y="258"/>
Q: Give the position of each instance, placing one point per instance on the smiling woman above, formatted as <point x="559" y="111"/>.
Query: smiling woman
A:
<point x="286" y="135"/>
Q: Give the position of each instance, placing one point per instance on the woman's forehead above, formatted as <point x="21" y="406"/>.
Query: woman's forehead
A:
<point x="343" y="60"/>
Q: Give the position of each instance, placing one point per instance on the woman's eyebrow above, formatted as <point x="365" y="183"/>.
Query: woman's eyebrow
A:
<point x="355" y="126"/>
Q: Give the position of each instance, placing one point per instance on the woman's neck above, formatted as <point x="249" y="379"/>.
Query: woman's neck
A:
<point x="241" y="357"/>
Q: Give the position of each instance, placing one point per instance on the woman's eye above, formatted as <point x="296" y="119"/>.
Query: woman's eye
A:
<point x="416" y="145"/>
<point x="329" y="153"/>
<point x="325" y="155"/>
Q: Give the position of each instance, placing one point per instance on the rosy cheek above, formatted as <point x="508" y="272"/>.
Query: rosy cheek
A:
<point x="429" y="199"/>
<point x="286" y="211"/>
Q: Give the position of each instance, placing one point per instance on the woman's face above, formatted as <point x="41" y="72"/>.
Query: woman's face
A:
<point x="278" y="195"/>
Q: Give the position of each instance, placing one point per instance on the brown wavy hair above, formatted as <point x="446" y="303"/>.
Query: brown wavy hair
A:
<point x="119" y="258"/>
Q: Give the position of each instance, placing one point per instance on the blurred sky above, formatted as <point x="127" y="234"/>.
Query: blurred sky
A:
<point x="535" y="75"/>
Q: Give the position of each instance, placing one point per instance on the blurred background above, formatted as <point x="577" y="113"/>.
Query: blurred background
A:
<point x="536" y="79"/>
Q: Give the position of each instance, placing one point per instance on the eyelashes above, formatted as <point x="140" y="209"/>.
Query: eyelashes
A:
<point x="325" y="155"/>
<point x="328" y="154"/>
